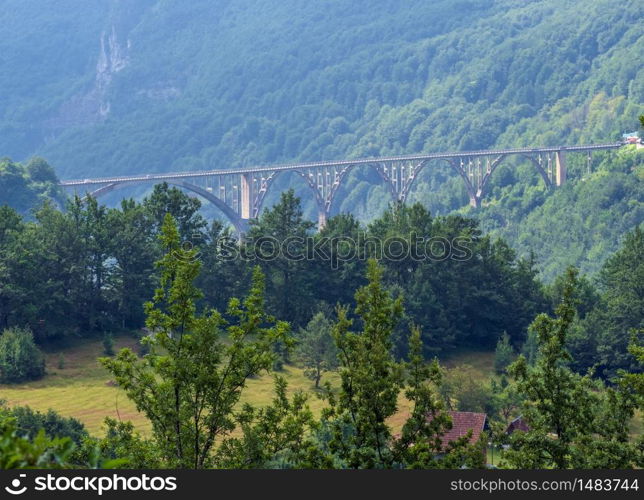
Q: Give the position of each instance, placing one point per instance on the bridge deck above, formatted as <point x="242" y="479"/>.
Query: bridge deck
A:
<point x="342" y="163"/>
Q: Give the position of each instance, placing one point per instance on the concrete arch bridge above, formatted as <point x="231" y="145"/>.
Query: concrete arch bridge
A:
<point x="240" y="192"/>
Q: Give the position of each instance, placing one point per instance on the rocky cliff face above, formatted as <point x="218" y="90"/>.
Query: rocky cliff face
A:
<point x="112" y="59"/>
<point x="92" y="105"/>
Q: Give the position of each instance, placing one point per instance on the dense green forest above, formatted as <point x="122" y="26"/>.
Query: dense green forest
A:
<point x="190" y="378"/>
<point x="134" y="87"/>
<point x="25" y="187"/>
<point x="548" y="281"/>
<point x="89" y="269"/>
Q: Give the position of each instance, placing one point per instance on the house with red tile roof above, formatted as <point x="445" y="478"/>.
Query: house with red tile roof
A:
<point x="518" y="424"/>
<point x="462" y="423"/>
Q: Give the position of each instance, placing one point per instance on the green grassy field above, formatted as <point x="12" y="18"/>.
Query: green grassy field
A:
<point x="85" y="390"/>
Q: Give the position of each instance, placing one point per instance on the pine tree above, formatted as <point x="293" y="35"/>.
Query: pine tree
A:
<point x="371" y="383"/>
<point x="370" y="378"/>
<point x="420" y="445"/>
<point x="574" y="421"/>
<point x="504" y="354"/>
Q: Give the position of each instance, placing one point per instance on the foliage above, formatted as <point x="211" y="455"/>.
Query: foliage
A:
<point x="504" y="354"/>
<point x="82" y="271"/>
<point x="418" y="77"/>
<point x="420" y="445"/>
<point x="123" y="447"/>
<point x="278" y="436"/>
<point x="600" y="339"/>
<point x="28" y="423"/>
<point x="288" y="286"/>
<point x="572" y="423"/>
<point x="108" y="344"/>
<point x="371" y="381"/>
<point x="463" y="390"/>
<point x="370" y="378"/>
<point x="26" y="442"/>
<point x="41" y="452"/>
<point x="89" y="270"/>
<point x="316" y="349"/>
<point x="20" y="358"/>
<point x="190" y="382"/>
<point x="183" y="208"/>
<point x="622" y="307"/>
<point x="579" y="224"/>
<point x="25" y="186"/>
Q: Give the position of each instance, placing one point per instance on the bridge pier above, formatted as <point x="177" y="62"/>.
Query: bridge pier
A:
<point x="321" y="220"/>
<point x="246" y="202"/>
<point x="560" y="167"/>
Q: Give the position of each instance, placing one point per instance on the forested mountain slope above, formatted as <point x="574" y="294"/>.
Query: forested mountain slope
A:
<point x="114" y="87"/>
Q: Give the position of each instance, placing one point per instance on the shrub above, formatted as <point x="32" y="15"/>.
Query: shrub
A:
<point x="20" y="358"/>
<point x="30" y="422"/>
<point x="19" y="452"/>
<point x="108" y="344"/>
<point x="144" y="343"/>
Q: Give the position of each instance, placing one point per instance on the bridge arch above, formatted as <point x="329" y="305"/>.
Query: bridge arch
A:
<point x="382" y="172"/>
<point x="320" y="200"/>
<point x="337" y="182"/>
<point x="341" y="177"/>
<point x="452" y="164"/>
<point x="457" y="166"/>
<point x="231" y="215"/>
<point x="489" y="170"/>
<point x="265" y="185"/>
<point x="544" y="175"/>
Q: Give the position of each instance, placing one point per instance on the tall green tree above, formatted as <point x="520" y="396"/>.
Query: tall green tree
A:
<point x="420" y="444"/>
<point x="574" y="422"/>
<point x="277" y="239"/>
<point x="183" y="208"/>
<point x="20" y="358"/>
<point x="622" y="303"/>
<point x="316" y="350"/>
<point x="277" y="436"/>
<point x="133" y="247"/>
<point x="370" y="378"/>
<point x="372" y="381"/>
<point x="503" y="354"/>
<point x="199" y="364"/>
<point x="223" y="274"/>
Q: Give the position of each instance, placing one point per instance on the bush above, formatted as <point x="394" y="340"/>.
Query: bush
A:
<point x="108" y="344"/>
<point x="20" y="359"/>
<point x="144" y="343"/>
<point x="19" y="452"/>
<point x="30" y="422"/>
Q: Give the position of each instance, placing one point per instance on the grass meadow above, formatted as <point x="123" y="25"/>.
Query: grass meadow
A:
<point x="83" y="389"/>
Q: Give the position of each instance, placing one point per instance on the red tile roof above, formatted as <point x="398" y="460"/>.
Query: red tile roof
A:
<point x="462" y="422"/>
<point x="518" y="424"/>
